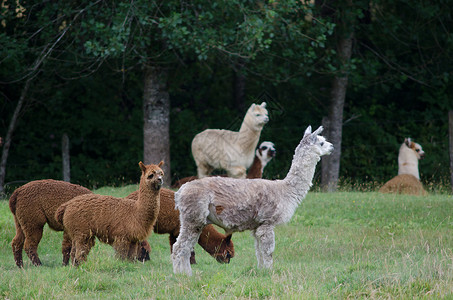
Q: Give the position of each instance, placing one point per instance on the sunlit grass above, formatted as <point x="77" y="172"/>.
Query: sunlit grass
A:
<point x="339" y="245"/>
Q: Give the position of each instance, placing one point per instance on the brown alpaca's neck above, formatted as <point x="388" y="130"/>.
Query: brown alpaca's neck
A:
<point x="210" y="239"/>
<point x="256" y="170"/>
<point x="148" y="203"/>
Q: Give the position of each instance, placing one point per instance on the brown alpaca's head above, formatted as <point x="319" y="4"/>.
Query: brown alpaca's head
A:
<point x="225" y="251"/>
<point x="152" y="175"/>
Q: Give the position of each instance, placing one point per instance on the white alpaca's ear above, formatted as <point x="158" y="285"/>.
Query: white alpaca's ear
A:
<point x="307" y="131"/>
<point x="407" y="141"/>
<point x="318" y="131"/>
<point x="263" y="105"/>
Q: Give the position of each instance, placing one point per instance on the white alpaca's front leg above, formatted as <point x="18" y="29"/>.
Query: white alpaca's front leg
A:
<point x="258" y="253"/>
<point x="182" y="250"/>
<point x="265" y="235"/>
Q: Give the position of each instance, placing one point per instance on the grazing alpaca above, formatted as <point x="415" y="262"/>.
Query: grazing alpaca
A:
<point x="244" y="204"/>
<point x="230" y="150"/>
<point x="408" y="179"/>
<point x="120" y="222"/>
<point x="408" y="157"/>
<point x="33" y="205"/>
<point x="218" y="245"/>
<point x="263" y="155"/>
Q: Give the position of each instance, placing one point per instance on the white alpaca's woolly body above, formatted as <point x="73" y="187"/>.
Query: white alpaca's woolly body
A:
<point x="409" y="155"/>
<point x="230" y="150"/>
<point x="246" y="204"/>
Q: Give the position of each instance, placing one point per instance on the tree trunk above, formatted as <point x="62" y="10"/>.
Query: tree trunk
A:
<point x="9" y="134"/>
<point x="450" y="137"/>
<point x="335" y="120"/>
<point x="156" y="125"/>
<point x="66" y="158"/>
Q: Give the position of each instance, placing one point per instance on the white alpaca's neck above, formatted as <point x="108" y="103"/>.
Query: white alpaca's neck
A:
<point x="300" y="176"/>
<point x="248" y="137"/>
<point x="408" y="162"/>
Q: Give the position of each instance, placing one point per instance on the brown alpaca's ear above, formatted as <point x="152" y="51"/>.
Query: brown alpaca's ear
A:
<point x="161" y="163"/>
<point x="228" y="239"/>
<point x="142" y="166"/>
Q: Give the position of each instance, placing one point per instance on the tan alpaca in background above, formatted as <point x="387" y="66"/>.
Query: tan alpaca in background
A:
<point x="408" y="157"/>
<point x="408" y="179"/>
<point x="263" y="155"/>
<point x="232" y="151"/>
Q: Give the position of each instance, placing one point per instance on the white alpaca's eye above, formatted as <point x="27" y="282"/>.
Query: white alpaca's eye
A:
<point x="263" y="148"/>
<point x="322" y="144"/>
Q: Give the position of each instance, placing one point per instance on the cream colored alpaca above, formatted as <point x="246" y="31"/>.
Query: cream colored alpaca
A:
<point x="232" y="151"/>
<point x="246" y="204"/>
<point x="408" y="157"/>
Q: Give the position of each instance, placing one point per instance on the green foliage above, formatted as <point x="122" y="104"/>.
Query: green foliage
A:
<point x="90" y="85"/>
<point x="342" y="245"/>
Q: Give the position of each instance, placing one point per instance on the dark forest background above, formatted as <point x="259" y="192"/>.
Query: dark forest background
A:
<point x="90" y="85"/>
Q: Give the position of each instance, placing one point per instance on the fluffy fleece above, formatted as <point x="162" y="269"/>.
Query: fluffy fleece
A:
<point x="263" y="155"/>
<point x="244" y="204"/>
<point x="230" y="150"/>
<point x="404" y="184"/>
<point x="120" y="222"/>
<point x="215" y="243"/>
<point x="33" y="206"/>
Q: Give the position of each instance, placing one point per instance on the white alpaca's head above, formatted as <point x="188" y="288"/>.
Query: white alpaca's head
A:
<point x="265" y="152"/>
<point x="318" y="144"/>
<point x="417" y="148"/>
<point x="256" y="116"/>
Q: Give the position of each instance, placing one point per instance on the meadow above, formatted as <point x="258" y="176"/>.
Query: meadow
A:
<point x="337" y="245"/>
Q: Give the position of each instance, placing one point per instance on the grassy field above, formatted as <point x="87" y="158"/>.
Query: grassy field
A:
<point x="341" y="245"/>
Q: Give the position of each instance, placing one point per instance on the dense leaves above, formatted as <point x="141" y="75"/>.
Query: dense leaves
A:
<point x="90" y="85"/>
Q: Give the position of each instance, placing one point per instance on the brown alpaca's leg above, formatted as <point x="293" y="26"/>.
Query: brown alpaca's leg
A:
<point x="121" y="247"/>
<point x="82" y="249"/>
<point x="133" y="250"/>
<point x="144" y="251"/>
<point x="66" y="246"/>
<point x="31" y="244"/>
<point x="18" y="244"/>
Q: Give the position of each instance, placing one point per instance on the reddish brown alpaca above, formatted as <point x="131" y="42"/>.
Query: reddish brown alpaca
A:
<point x="120" y="222"/>
<point x="218" y="245"/>
<point x="33" y="205"/>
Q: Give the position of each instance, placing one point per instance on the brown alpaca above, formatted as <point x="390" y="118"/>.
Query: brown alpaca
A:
<point x="263" y="155"/>
<point x="218" y="245"/>
<point x="120" y="222"/>
<point x="33" y="205"/>
<point x="404" y="184"/>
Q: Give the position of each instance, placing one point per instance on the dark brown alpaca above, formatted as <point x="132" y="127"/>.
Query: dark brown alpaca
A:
<point x="218" y="245"/>
<point x="120" y="222"/>
<point x="33" y="205"/>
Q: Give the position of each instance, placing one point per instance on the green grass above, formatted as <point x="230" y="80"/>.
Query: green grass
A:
<point x="341" y="245"/>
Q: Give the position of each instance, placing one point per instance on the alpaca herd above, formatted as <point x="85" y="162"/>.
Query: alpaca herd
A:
<point x="238" y="201"/>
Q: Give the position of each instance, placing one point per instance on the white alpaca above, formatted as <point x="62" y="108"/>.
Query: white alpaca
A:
<point x="246" y="204"/>
<point x="230" y="150"/>
<point x="408" y="157"/>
